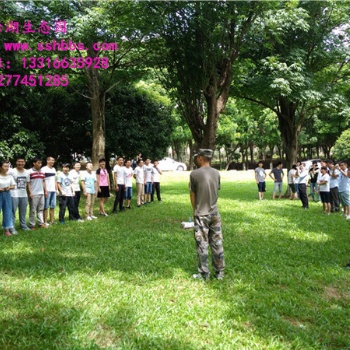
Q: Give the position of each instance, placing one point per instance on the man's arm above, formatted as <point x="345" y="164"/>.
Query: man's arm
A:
<point x="60" y="189"/>
<point x="45" y="190"/>
<point x="83" y="187"/>
<point x="271" y="176"/>
<point x="72" y="188"/>
<point x="193" y="200"/>
<point x="115" y="180"/>
<point x="96" y="186"/>
<point x="333" y="174"/>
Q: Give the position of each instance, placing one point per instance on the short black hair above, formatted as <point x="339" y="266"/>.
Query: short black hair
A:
<point x="3" y="161"/>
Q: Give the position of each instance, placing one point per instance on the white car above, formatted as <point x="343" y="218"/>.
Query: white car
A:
<point x="168" y="164"/>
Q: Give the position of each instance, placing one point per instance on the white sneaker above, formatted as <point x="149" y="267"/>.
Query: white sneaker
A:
<point x="348" y="217"/>
<point x="93" y="217"/>
<point x="89" y="218"/>
<point x="80" y="220"/>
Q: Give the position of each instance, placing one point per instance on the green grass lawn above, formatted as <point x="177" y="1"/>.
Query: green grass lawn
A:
<point x="124" y="281"/>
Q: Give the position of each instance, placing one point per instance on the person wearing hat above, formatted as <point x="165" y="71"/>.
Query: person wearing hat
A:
<point x="204" y="186"/>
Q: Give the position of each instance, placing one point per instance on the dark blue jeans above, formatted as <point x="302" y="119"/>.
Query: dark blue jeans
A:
<point x="6" y="208"/>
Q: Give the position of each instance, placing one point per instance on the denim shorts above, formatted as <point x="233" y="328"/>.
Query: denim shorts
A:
<point x="128" y="193"/>
<point x="50" y="201"/>
<point x="148" y="188"/>
<point x="344" y="198"/>
<point x="277" y="187"/>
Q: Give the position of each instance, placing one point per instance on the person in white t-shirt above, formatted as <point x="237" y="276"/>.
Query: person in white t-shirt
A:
<point x="19" y="193"/>
<point x="119" y="182"/>
<point x="74" y="174"/>
<point x="65" y="186"/>
<point x="148" y="180"/>
<point x="156" y="172"/>
<point x="303" y="176"/>
<point x="128" y="183"/>
<point x="333" y="185"/>
<point x="139" y="175"/>
<point x="260" y="176"/>
<point x="7" y="183"/>
<point x="292" y="176"/>
<point x="323" y="182"/>
<point x="51" y="187"/>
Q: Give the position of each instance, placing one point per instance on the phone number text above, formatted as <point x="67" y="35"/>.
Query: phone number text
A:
<point x="65" y="62"/>
<point x="33" y="80"/>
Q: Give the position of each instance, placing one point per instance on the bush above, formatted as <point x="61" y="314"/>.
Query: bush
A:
<point x="342" y="146"/>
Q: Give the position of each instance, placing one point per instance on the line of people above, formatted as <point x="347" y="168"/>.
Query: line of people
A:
<point x="40" y="186"/>
<point x="328" y="183"/>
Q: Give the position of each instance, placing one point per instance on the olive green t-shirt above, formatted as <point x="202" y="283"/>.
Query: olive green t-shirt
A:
<point x="205" y="183"/>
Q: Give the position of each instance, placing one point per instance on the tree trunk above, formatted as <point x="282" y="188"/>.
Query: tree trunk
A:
<point x="290" y="130"/>
<point x="98" y="127"/>
<point x="243" y="151"/>
<point x="212" y="118"/>
<point x="251" y="148"/>
<point x="190" y="143"/>
<point x="97" y="106"/>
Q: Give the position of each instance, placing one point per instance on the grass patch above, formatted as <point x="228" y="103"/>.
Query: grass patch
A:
<point x="124" y="282"/>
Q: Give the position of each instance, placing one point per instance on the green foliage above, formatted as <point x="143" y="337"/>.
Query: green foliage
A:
<point x="199" y="44"/>
<point x="137" y="124"/>
<point x="294" y="60"/>
<point x="342" y="146"/>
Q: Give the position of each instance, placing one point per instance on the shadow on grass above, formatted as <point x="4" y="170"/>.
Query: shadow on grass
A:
<point x="34" y="322"/>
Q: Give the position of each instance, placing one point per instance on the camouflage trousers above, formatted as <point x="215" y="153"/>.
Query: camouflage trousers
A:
<point x="207" y="232"/>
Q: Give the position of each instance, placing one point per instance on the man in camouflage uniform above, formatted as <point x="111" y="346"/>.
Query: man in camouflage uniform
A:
<point x="204" y="186"/>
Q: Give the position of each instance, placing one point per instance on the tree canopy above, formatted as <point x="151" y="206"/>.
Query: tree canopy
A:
<point x="290" y="58"/>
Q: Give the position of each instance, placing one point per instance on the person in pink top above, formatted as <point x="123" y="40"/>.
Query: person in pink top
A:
<point x="103" y="185"/>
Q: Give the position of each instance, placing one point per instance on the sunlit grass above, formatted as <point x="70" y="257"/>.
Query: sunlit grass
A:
<point x="124" y="282"/>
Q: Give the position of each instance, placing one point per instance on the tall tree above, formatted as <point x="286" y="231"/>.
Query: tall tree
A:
<point x="110" y="37"/>
<point x="290" y="50"/>
<point x="201" y="41"/>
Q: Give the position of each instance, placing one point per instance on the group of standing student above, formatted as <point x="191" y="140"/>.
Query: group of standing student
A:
<point x="330" y="183"/>
<point x="147" y="176"/>
<point x="38" y="187"/>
